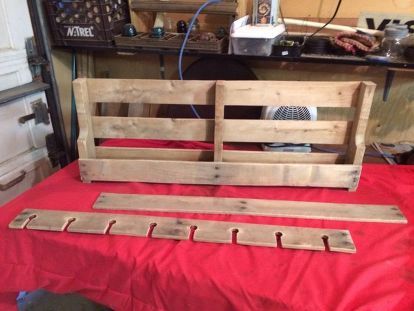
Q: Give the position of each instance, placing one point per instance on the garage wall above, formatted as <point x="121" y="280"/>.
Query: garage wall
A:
<point x="390" y="122"/>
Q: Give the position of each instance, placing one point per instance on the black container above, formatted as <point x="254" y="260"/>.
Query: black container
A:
<point x="409" y="53"/>
<point x="318" y="45"/>
<point x="289" y="51"/>
<point x="86" y="22"/>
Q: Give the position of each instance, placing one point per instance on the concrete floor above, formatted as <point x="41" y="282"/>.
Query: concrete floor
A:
<point x="42" y="300"/>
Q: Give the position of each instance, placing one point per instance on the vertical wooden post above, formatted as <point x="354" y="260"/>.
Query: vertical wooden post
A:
<point x="86" y="144"/>
<point x="356" y="146"/>
<point x="218" y="122"/>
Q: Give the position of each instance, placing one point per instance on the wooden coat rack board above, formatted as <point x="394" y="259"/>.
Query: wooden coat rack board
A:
<point x="219" y="166"/>
<point x="186" y="229"/>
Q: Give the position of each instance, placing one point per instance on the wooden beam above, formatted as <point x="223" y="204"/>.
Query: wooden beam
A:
<point x="286" y="131"/>
<point x="153" y="128"/>
<point x="207" y="155"/>
<point x="281" y="157"/>
<point x="136" y="91"/>
<point x="290" y="93"/>
<point x="154" y="154"/>
<point x="179" y="229"/>
<point x="223" y="8"/>
<point x="218" y="122"/>
<point x="86" y="143"/>
<point x="356" y="147"/>
<point x="220" y="173"/>
<point x="250" y="207"/>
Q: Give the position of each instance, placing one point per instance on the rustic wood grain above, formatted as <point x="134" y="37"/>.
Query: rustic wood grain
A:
<point x="86" y="144"/>
<point x="153" y="128"/>
<point x="220" y="173"/>
<point x="291" y="93"/>
<point x="251" y="207"/>
<point x="286" y="131"/>
<point x="179" y="229"/>
<point x="147" y="91"/>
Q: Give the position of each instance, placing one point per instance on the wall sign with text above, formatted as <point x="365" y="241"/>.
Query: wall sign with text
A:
<point x="378" y="21"/>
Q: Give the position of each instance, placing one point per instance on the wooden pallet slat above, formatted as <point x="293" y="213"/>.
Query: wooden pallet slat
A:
<point x="251" y="207"/>
<point x="153" y="128"/>
<point x="208" y="155"/>
<point x="218" y="173"/>
<point x="84" y="108"/>
<point x="218" y="123"/>
<point x="154" y="154"/>
<point x="281" y="157"/>
<point x="291" y="93"/>
<point x="356" y="147"/>
<point x="147" y="91"/>
<point x="179" y="229"/>
<point x="286" y="131"/>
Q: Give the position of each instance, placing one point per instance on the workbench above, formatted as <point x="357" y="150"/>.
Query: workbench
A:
<point x="131" y="273"/>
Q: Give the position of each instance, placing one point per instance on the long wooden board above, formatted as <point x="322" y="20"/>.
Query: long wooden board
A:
<point x="180" y="229"/>
<point x="291" y="93"/>
<point x="207" y="155"/>
<point x="286" y="131"/>
<point x="146" y="91"/>
<point x="154" y="153"/>
<point x="220" y="173"/>
<point x="153" y="128"/>
<point x="256" y="207"/>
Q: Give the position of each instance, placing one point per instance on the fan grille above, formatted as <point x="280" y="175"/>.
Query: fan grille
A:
<point x="292" y="113"/>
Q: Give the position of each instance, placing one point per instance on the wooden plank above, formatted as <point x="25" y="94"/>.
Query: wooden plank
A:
<point x="86" y="144"/>
<point x="218" y="123"/>
<point x="356" y="147"/>
<point x="207" y="155"/>
<point x="153" y="128"/>
<point x="286" y="131"/>
<point x="290" y="93"/>
<point x="137" y="91"/>
<point x="281" y="157"/>
<point x="154" y="154"/>
<point x="221" y="173"/>
<point x="20" y="91"/>
<point x="179" y="229"/>
<point x="223" y="8"/>
<point x="250" y="207"/>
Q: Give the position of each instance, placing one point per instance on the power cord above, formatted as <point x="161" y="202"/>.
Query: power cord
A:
<point x="330" y="20"/>
<point x="187" y="35"/>
<point x="283" y="18"/>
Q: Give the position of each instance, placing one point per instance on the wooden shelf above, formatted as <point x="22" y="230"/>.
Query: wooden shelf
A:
<point x="21" y="91"/>
<point x="304" y="58"/>
<point x="177" y="6"/>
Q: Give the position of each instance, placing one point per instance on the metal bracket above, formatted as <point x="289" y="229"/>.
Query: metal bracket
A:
<point x="40" y="113"/>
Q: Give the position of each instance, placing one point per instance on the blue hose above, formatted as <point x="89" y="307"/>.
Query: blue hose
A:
<point x="187" y="35"/>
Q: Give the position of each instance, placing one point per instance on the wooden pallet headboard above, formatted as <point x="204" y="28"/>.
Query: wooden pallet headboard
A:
<point x="231" y="167"/>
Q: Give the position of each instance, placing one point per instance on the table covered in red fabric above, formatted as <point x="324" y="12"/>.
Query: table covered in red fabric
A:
<point x="132" y="273"/>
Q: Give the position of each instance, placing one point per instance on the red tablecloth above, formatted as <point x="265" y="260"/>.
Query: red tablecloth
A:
<point x="131" y="273"/>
